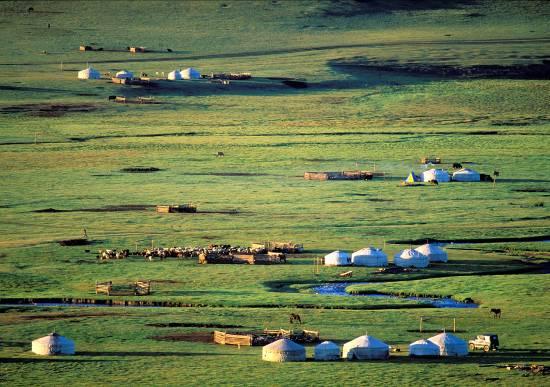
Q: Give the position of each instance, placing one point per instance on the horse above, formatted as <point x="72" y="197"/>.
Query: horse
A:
<point x="220" y="154"/>
<point x="295" y="318"/>
<point x="496" y="312"/>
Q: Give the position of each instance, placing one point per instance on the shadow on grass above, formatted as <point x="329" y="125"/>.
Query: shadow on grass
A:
<point x="56" y="359"/>
<point x="150" y="353"/>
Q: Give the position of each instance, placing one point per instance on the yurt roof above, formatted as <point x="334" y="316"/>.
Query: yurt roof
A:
<point x="445" y="339"/>
<point x="284" y="345"/>
<point x="327" y="345"/>
<point x="430" y="248"/>
<point x="124" y="72"/>
<point x="338" y="253"/>
<point x="466" y="171"/>
<point x="409" y="254"/>
<point x="367" y="341"/>
<point x="425" y="342"/>
<point x="369" y="251"/>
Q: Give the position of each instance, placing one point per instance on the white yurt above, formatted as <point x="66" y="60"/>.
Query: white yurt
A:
<point x="450" y="345"/>
<point x="433" y="252"/>
<point x="53" y="344"/>
<point x="190" y="73"/>
<point x="123" y="74"/>
<point x="369" y="256"/>
<point x="337" y="258"/>
<point x="89" y="73"/>
<point x="283" y="350"/>
<point x="365" y="347"/>
<point x="174" y="75"/>
<point x="423" y="348"/>
<point x="439" y="175"/>
<point x="410" y="258"/>
<point x="466" y="174"/>
<point x="327" y="350"/>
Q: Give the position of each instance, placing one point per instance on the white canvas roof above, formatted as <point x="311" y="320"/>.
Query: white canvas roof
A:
<point x="410" y="258"/>
<point x="337" y="258"/>
<point x="433" y="252"/>
<point x="466" y="174"/>
<point x="327" y="350"/>
<point x="369" y="256"/>
<point x="89" y="73"/>
<point x="365" y="347"/>
<point x="436" y="174"/>
<point x="124" y="74"/>
<point x="174" y="75"/>
<point x="190" y="73"/>
<point x="423" y="348"/>
<point x="450" y="345"/>
<point x="53" y="344"/>
<point x="283" y="350"/>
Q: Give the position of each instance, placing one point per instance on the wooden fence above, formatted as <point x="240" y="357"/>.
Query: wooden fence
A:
<point x="138" y="288"/>
<point x="232" y="339"/>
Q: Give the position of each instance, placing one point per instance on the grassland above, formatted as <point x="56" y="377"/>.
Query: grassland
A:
<point x="63" y="145"/>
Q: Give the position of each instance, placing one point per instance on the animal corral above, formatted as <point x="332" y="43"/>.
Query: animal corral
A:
<point x="344" y="175"/>
<point x="282" y="247"/>
<point x="243" y="258"/>
<point x="138" y="288"/>
<point x="265" y="337"/>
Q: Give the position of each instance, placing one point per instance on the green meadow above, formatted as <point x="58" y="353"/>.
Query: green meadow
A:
<point x="64" y="147"/>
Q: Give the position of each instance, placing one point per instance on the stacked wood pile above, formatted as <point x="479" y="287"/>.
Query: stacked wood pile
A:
<point x="265" y="337"/>
<point x="176" y="208"/>
<point x="233" y="339"/>
<point x="133" y="50"/>
<point x="231" y="76"/>
<point x="430" y="160"/>
<point x="344" y="175"/>
<point x="246" y="258"/>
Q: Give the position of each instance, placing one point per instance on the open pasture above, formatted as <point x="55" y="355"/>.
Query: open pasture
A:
<point x="67" y="154"/>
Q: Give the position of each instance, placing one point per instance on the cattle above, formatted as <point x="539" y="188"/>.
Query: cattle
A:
<point x="30" y="9"/>
<point x="496" y="312"/>
<point x="457" y="165"/>
<point x="112" y="97"/>
<point x="220" y="154"/>
<point x="169" y="49"/>
<point x="295" y="318"/>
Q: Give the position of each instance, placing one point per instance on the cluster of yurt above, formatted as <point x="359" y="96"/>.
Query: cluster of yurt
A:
<point x="420" y="257"/>
<point x="442" y="176"/>
<point x="443" y="344"/>
<point x="53" y="344"/>
<point x="189" y="73"/>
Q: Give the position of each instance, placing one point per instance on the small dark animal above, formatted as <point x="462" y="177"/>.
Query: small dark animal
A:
<point x="112" y="97"/>
<point x="220" y="154"/>
<point x="457" y="165"/>
<point x="496" y="312"/>
<point x="169" y="49"/>
<point x="496" y="173"/>
<point x="295" y="318"/>
<point x="30" y="9"/>
<point x="48" y="25"/>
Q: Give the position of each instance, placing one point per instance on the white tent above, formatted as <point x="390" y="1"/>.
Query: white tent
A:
<point x="337" y="258"/>
<point x="365" y="347"/>
<point x="327" y="350"/>
<point x="124" y="75"/>
<point x="410" y="258"/>
<point x="423" y="348"/>
<point x="53" y="344"/>
<point x="433" y="252"/>
<point x="174" y="75"/>
<point x="466" y="174"/>
<point x="190" y="73"/>
<point x="439" y="175"/>
<point x="283" y="350"/>
<point x="450" y="345"/>
<point x="89" y="73"/>
<point x="369" y="256"/>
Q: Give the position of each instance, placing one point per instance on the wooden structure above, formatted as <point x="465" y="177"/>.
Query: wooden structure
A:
<point x="430" y="160"/>
<point x="233" y="339"/>
<point x="119" y="99"/>
<point x="133" y="50"/>
<point x="86" y="48"/>
<point x="344" y="175"/>
<point x="231" y="76"/>
<point x="138" y="288"/>
<point x="179" y="208"/>
<point x="346" y="274"/>
<point x="250" y="259"/>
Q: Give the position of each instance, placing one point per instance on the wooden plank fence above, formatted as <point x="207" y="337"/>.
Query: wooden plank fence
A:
<point x="232" y="339"/>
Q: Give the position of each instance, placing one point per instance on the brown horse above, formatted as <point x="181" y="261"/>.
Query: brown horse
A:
<point x="295" y="318"/>
<point x="496" y="312"/>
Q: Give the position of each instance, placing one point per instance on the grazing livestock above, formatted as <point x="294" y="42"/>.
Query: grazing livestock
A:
<point x="30" y="9"/>
<point x="169" y="49"/>
<point x="220" y="154"/>
<point x="295" y="318"/>
<point x="496" y="312"/>
<point x="457" y="166"/>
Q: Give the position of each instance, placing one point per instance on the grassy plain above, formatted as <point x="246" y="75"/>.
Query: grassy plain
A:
<point x="270" y="133"/>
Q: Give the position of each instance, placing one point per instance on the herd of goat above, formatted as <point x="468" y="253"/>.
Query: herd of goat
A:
<point x="176" y="252"/>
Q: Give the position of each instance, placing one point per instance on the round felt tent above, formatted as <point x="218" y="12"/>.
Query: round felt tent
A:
<point x="190" y="73"/>
<point x="423" y="348"/>
<point x="89" y="73"/>
<point x="123" y="74"/>
<point x="174" y="75"/>
<point x="433" y="252"/>
<point x="450" y="345"/>
<point x="410" y="258"/>
<point x="466" y="174"/>
<point x="369" y="256"/>
<point x="283" y="350"/>
<point x="337" y="258"/>
<point x="327" y="350"/>
<point x="53" y="344"/>
<point x="365" y="347"/>
<point x="438" y="175"/>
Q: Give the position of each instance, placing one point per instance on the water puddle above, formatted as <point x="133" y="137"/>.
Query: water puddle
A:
<point x="339" y="289"/>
